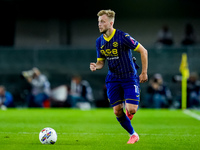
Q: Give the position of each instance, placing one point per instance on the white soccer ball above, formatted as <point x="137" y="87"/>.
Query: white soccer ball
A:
<point x="48" y="136"/>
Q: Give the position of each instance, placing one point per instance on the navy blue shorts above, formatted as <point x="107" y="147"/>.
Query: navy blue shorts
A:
<point x="123" y="90"/>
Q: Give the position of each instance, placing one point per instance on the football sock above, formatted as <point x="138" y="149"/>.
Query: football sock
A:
<point x="133" y="134"/>
<point x="126" y="123"/>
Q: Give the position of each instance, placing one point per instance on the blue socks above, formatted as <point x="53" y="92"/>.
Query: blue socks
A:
<point x="126" y="123"/>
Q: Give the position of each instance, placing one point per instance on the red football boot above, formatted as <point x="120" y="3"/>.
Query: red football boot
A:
<point x="134" y="138"/>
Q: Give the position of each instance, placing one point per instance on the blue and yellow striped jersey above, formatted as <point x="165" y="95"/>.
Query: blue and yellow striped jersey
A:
<point x="116" y="49"/>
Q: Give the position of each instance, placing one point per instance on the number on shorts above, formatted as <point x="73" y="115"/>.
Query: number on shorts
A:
<point x="137" y="90"/>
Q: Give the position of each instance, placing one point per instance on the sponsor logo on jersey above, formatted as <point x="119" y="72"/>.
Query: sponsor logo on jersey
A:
<point x="111" y="58"/>
<point x="109" y="52"/>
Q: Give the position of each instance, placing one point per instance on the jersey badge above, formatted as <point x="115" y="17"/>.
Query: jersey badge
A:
<point x="115" y="44"/>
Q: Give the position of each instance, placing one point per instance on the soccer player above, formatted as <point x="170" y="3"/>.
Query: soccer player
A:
<point x="122" y="80"/>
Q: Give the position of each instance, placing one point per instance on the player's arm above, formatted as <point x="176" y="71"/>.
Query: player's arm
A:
<point x="144" y="59"/>
<point x="136" y="46"/>
<point x="100" y="57"/>
<point x="98" y="65"/>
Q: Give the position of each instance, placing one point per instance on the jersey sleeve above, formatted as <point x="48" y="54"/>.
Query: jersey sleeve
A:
<point x="130" y="42"/>
<point x="100" y="56"/>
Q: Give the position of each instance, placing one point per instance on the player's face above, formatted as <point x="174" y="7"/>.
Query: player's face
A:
<point x="104" y="24"/>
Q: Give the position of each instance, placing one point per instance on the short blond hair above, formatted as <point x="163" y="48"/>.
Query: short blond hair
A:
<point x="110" y="13"/>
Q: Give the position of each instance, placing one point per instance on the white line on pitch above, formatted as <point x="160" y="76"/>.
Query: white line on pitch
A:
<point x="191" y="114"/>
<point x="99" y="134"/>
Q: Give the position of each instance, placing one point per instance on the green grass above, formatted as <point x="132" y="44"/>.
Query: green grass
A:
<point x="97" y="129"/>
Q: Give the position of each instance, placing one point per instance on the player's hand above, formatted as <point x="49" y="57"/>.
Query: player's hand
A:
<point x="93" y="67"/>
<point x="143" y="77"/>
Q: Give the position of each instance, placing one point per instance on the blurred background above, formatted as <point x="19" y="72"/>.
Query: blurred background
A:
<point x="58" y="37"/>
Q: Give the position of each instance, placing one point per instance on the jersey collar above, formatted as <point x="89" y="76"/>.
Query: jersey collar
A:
<point x="110" y="37"/>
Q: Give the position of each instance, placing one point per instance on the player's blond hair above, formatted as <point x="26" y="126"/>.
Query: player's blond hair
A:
<point x="110" y="13"/>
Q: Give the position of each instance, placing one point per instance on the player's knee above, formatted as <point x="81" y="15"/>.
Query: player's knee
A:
<point x="132" y="111"/>
<point x="118" y="112"/>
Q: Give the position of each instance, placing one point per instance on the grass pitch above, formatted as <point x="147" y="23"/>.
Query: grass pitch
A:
<point x="98" y="129"/>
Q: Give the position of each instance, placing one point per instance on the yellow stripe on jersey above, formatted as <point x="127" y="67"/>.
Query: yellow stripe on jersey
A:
<point x="100" y="59"/>
<point x="110" y="37"/>
<point x="137" y="47"/>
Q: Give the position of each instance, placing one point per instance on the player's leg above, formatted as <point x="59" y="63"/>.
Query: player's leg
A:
<point x="129" y="115"/>
<point x="132" y="97"/>
<point x="131" y="109"/>
<point x="125" y="123"/>
<point x="115" y="95"/>
<point x="123" y="119"/>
